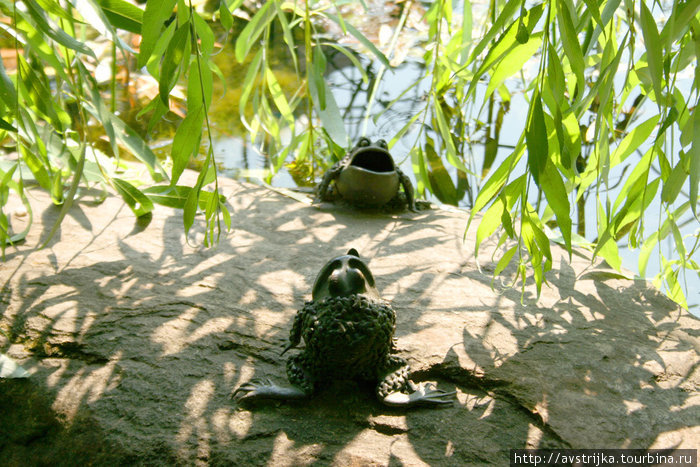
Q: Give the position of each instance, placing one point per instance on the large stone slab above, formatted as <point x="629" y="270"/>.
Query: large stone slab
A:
<point x="135" y="340"/>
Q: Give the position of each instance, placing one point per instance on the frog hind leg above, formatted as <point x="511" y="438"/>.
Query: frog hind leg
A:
<point x="396" y="390"/>
<point x="408" y="190"/>
<point x="302" y="385"/>
<point x="324" y="191"/>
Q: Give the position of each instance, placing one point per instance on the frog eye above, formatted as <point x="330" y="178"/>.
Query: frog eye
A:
<point x="382" y="144"/>
<point x="364" y="142"/>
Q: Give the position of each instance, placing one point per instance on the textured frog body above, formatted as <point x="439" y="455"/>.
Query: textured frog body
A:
<point x="367" y="177"/>
<point x="348" y="333"/>
<point x="345" y="337"/>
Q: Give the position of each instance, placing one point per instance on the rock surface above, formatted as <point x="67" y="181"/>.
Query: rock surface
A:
<point x="135" y="340"/>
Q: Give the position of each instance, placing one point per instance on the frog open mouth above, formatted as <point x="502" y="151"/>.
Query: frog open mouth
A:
<point x="373" y="159"/>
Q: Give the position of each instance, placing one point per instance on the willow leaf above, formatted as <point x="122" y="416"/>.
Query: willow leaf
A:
<point x="536" y="139"/>
<point x="176" y="55"/>
<point x="360" y="37"/>
<point x="248" y="37"/>
<point x="652" y="41"/>
<point x="123" y="15"/>
<point x="154" y="18"/>
<point x="139" y="203"/>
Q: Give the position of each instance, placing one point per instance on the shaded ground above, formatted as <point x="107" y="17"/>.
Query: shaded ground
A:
<point x="135" y="340"/>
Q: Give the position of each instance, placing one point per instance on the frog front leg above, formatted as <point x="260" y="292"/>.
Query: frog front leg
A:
<point x="408" y="190"/>
<point x="323" y="189"/>
<point x="302" y="385"/>
<point x="397" y="390"/>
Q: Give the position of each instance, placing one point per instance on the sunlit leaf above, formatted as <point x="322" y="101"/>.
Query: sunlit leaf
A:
<point x="59" y="35"/>
<point x="154" y="17"/>
<point x="123" y="15"/>
<point x="652" y="41"/>
<point x="134" y="198"/>
<point x="253" y="29"/>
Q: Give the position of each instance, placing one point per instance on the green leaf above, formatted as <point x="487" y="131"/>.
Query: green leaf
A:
<point x="186" y="142"/>
<point x="137" y="201"/>
<point x="489" y="223"/>
<point x="446" y="135"/>
<point x="8" y="93"/>
<point x="225" y="16"/>
<point x="123" y="15"/>
<point x="205" y="34"/>
<point x="695" y="162"/>
<point x="55" y="33"/>
<point x="440" y="182"/>
<point x="505" y="260"/>
<point x="154" y="17"/>
<point x="279" y="98"/>
<point x="176" y="56"/>
<point x="248" y="37"/>
<point x="168" y="195"/>
<point x="652" y="41"/>
<point x="360" y="37"/>
<point x="536" y="139"/>
<point x="331" y="119"/>
<point x="569" y="39"/>
<point x="674" y="183"/>
<point x="5" y="125"/>
<point x="131" y="140"/>
<point x="513" y="62"/>
<point x="558" y="200"/>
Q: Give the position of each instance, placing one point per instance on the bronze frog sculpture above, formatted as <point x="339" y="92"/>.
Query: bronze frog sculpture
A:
<point x="367" y="177"/>
<point x="349" y="334"/>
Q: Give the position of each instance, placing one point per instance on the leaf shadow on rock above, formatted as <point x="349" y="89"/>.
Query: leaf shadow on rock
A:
<point x="602" y="365"/>
<point x="148" y="336"/>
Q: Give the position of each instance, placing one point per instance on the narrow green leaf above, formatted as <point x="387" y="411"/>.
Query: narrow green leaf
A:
<point x="331" y="119"/>
<point x="497" y="180"/>
<point x="558" y="200"/>
<point x="694" y="179"/>
<point x="536" y="139"/>
<point x="134" y="198"/>
<point x="205" y="34"/>
<point x="55" y="33"/>
<point x="446" y="135"/>
<point x="440" y="181"/>
<point x="123" y="15"/>
<point x="279" y="98"/>
<point x="569" y="39"/>
<point x="513" y="62"/>
<point x="176" y="56"/>
<point x="633" y="140"/>
<point x="505" y="260"/>
<point x="132" y="141"/>
<point x="8" y="93"/>
<point x="674" y="183"/>
<point x="489" y="223"/>
<point x="248" y="37"/>
<point x="594" y="9"/>
<point x="168" y="195"/>
<point x="154" y="17"/>
<point x="225" y="16"/>
<point x="652" y="41"/>
<point x="360" y="37"/>
<point x="186" y="142"/>
<point x="5" y="125"/>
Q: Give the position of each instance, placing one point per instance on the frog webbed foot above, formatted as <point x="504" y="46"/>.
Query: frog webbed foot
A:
<point x="264" y="388"/>
<point x="421" y="394"/>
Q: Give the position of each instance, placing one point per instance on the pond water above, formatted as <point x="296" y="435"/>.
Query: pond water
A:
<point x="237" y="157"/>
